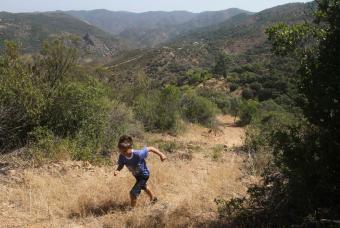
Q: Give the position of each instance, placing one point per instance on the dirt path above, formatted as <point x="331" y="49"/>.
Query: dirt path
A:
<point x="127" y="61"/>
<point x="226" y="134"/>
<point x="76" y="194"/>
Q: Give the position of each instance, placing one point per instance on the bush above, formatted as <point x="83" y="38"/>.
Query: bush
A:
<point x="160" y="110"/>
<point x="120" y="121"/>
<point x="76" y="107"/>
<point x="194" y="77"/>
<point x="222" y="100"/>
<point x="234" y="107"/>
<point x="247" y="94"/>
<point x="198" y="109"/>
<point x="26" y="87"/>
<point x="44" y="146"/>
<point x="22" y="100"/>
<point x="265" y="94"/>
<point x="233" y="87"/>
<point x="247" y="112"/>
<point x="264" y="124"/>
<point x="255" y="86"/>
<point x="59" y="111"/>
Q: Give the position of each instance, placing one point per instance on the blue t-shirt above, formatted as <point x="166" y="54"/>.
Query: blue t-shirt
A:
<point x="136" y="164"/>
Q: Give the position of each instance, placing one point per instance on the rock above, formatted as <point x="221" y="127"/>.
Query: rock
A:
<point x="11" y="172"/>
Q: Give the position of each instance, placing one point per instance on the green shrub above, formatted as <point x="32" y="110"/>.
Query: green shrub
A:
<point x="44" y="146"/>
<point x="63" y="113"/>
<point x="120" y="121"/>
<point x="76" y="107"/>
<point x="222" y="100"/>
<point x="22" y="100"/>
<point x="194" y="77"/>
<point x="247" y="94"/>
<point x="220" y="68"/>
<point x="247" y="111"/>
<point x="234" y="107"/>
<point x="159" y="110"/>
<point x="255" y="86"/>
<point x="198" y="109"/>
<point x="27" y="86"/>
<point x="228" y="209"/>
<point x="233" y="87"/>
<point x="265" y="94"/>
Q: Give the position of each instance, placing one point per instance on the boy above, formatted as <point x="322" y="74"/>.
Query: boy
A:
<point x="134" y="160"/>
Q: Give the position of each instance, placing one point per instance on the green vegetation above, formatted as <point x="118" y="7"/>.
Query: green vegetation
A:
<point x="198" y="109"/>
<point x="221" y="65"/>
<point x="300" y="179"/>
<point x="159" y="110"/>
<point x="59" y="109"/>
<point x="47" y="102"/>
<point x="288" y="102"/>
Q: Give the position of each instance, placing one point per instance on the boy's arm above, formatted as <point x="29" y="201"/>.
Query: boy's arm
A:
<point x="119" y="168"/>
<point x="156" y="151"/>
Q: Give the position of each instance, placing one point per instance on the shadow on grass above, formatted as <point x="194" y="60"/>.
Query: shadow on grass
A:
<point x="97" y="210"/>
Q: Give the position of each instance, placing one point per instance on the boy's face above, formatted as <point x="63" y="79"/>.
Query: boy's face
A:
<point x="126" y="151"/>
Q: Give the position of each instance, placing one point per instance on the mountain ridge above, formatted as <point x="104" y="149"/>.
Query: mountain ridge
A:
<point x="32" y="29"/>
<point x="150" y="29"/>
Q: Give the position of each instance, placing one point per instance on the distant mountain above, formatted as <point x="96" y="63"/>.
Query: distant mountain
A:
<point x="150" y="29"/>
<point x="243" y="32"/>
<point x="242" y="37"/>
<point x="32" y="29"/>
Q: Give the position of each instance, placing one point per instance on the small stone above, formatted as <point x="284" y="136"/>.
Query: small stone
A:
<point x="11" y="172"/>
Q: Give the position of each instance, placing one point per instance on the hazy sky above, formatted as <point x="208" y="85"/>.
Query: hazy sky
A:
<point x="138" y="5"/>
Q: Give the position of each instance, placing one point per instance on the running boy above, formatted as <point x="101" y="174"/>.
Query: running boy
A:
<point x="134" y="160"/>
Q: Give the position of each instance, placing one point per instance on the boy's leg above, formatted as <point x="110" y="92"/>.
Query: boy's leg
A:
<point x="149" y="192"/>
<point x="133" y="200"/>
<point x="135" y="191"/>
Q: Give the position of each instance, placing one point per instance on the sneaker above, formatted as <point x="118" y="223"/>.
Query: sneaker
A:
<point x="154" y="200"/>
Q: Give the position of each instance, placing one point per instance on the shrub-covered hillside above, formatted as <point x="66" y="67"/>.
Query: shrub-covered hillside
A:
<point x="32" y="29"/>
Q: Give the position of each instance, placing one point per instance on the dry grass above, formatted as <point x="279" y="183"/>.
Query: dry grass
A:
<point x="79" y="195"/>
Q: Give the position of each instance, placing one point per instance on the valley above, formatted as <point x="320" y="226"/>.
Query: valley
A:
<point x="243" y="104"/>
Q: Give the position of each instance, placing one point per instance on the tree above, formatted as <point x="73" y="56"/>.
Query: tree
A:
<point x="302" y="185"/>
<point x="221" y="65"/>
<point x="308" y="154"/>
<point x="248" y="110"/>
<point x="247" y="94"/>
<point x="233" y="87"/>
<point x="235" y="104"/>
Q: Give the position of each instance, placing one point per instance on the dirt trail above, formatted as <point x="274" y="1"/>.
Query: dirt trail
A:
<point x="76" y="194"/>
<point x="125" y="62"/>
<point x="225" y="134"/>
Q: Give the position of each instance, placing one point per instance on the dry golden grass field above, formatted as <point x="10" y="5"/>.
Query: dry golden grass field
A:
<point x="203" y="164"/>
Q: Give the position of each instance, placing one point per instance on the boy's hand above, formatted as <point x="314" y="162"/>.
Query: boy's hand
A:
<point x="116" y="173"/>
<point x="163" y="157"/>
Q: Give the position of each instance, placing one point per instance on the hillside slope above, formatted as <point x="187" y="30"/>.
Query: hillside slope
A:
<point x="201" y="167"/>
<point x="150" y="29"/>
<point x="243" y="32"/>
<point x="32" y="29"/>
<point x="242" y="38"/>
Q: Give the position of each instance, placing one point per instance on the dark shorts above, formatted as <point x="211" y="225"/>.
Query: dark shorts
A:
<point x="139" y="186"/>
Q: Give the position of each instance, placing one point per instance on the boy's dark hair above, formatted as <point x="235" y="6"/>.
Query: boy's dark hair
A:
<point x="125" y="141"/>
